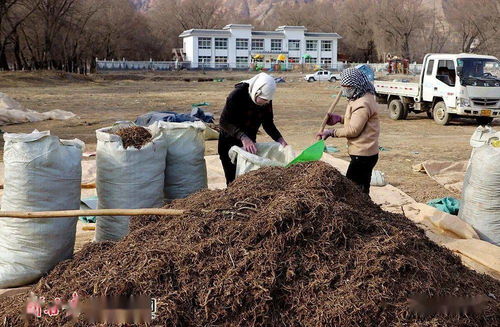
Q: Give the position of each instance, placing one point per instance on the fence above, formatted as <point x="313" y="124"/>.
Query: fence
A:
<point x="126" y="65"/>
<point x="111" y="65"/>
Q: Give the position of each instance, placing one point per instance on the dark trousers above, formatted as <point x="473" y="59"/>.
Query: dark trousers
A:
<point x="223" y="148"/>
<point x="360" y="171"/>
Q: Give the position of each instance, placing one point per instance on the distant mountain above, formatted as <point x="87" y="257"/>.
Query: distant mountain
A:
<point x="245" y="8"/>
<point x="142" y="5"/>
<point x="261" y="8"/>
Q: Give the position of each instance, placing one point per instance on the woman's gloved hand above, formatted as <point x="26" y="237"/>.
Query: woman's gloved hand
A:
<point x="282" y="142"/>
<point x="333" y="119"/>
<point x="249" y="145"/>
<point x="324" y="135"/>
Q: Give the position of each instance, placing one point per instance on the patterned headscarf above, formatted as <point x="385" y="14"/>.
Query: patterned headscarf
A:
<point x="355" y="78"/>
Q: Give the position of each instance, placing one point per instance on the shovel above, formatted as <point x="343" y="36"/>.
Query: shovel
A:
<point x="315" y="151"/>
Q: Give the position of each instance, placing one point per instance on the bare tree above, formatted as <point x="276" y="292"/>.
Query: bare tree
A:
<point x="168" y="18"/>
<point x="396" y="23"/>
<point x="12" y="14"/>
<point x="358" y="35"/>
<point x="475" y="23"/>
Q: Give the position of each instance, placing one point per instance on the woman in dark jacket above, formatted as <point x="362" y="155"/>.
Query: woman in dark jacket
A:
<point x="247" y="107"/>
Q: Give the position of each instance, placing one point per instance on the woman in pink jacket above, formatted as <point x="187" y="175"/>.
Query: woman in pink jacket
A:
<point x="361" y="126"/>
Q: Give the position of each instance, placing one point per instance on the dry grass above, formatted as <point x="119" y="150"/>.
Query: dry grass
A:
<point x="299" y="109"/>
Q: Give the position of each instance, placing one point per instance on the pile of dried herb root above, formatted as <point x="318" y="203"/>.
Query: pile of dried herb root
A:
<point x="279" y="247"/>
<point x="135" y="136"/>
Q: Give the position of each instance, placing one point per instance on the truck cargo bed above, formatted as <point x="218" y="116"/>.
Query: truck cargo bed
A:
<point x="397" y="88"/>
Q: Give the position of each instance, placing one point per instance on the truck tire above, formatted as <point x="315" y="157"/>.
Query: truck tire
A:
<point x="332" y="79"/>
<point x="397" y="110"/>
<point x="406" y="109"/>
<point x="440" y="115"/>
<point x="484" y="120"/>
<point x="311" y="79"/>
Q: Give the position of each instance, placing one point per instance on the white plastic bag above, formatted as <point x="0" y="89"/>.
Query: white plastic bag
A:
<point x="378" y="178"/>
<point x="269" y="154"/>
<point x="186" y="170"/>
<point x="127" y="178"/>
<point x="480" y="205"/>
<point x="42" y="173"/>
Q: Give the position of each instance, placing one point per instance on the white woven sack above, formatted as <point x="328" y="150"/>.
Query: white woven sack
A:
<point x="480" y="205"/>
<point x="185" y="170"/>
<point x="42" y="173"/>
<point x="269" y="154"/>
<point x="127" y="178"/>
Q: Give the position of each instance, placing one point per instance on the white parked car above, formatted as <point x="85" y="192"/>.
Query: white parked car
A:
<point x="322" y="75"/>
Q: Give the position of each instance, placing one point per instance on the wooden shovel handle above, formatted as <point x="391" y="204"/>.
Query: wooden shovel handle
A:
<point x="98" y="212"/>
<point x="330" y="110"/>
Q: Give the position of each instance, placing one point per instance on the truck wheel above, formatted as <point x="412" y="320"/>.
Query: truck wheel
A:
<point x="406" y="111"/>
<point x="440" y="115"/>
<point x="397" y="110"/>
<point x="484" y="120"/>
<point x="311" y="79"/>
<point x="332" y="79"/>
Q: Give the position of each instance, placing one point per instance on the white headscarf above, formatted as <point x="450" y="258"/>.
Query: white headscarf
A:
<point x="261" y="85"/>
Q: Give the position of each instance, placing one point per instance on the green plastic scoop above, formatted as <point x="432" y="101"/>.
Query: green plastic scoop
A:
<point x="312" y="153"/>
<point x="315" y="151"/>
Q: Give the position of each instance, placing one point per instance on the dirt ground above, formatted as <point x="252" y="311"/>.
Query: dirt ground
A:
<point x="100" y="100"/>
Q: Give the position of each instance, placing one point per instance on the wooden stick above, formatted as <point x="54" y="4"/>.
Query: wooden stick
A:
<point x="330" y="110"/>
<point x="83" y="186"/>
<point x="98" y="212"/>
<point x="89" y="185"/>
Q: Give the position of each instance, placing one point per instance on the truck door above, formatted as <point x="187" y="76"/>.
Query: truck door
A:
<point x="441" y="82"/>
<point x="427" y="84"/>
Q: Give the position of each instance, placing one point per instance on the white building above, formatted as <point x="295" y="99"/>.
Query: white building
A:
<point x="238" y="46"/>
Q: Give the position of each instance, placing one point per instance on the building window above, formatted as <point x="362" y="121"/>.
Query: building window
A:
<point x="326" y="45"/>
<point x="204" y="43"/>
<point x="258" y="44"/>
<point x="311" y="45"/>
<point x="220" y="43"/>
<point x="242" y="62"/>
<point x="241" y="44"/>
<point x="275" y="45"/>
<point x="326" y="61"/>
<point x="311" y="60"/>
<point x="293" y="45"/>
<point x="220" y="61"/>
<point x="204" y="61"/>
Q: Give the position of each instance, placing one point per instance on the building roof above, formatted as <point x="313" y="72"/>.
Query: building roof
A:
<point x="289" y="27"/>
<point x="318" y="34"/>
<point x="203" y="32"/>
<point x="246" y="26"/>
<point x="268" y="33"/>
<point x="278" y="33"/>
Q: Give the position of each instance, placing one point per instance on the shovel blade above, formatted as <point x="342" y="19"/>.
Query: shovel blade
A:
<point x="312" y="153"/>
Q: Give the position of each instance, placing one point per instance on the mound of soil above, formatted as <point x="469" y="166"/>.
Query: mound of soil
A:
<point x="135" y="136"/>
<point x="280" y="247"/>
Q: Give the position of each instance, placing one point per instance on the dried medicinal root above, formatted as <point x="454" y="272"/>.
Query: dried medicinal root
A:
<point x="300" y="246"/>
<point x="135" y="136"/>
